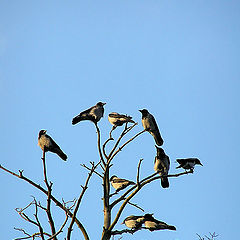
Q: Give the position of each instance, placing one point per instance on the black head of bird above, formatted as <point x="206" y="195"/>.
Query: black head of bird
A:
<point x="144" y="112"/>
<point x="112" y="177"/>
<point x="101" y="104"/>
<point x="41" y="132"/>
<point x="197" y="161"/>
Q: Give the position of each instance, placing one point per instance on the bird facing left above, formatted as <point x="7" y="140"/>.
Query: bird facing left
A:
<point x="46" y="143"/>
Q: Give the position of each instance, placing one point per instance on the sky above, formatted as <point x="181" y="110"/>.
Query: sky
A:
<point x="178" y="59"/>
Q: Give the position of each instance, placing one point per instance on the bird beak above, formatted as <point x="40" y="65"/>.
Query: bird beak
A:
<point x="103" y="103"/>
<point x="140" y="110"/>
<point x="201" y="164"/>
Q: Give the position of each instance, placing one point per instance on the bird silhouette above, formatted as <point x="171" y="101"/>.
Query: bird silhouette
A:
<point x="161" y="165"/>
<point x="93" y="114"/>
<point x="150" y="125"/>
<point x="46" y="143"/>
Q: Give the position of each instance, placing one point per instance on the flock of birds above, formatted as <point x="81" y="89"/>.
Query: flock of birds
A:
<point x="161" y="163"/>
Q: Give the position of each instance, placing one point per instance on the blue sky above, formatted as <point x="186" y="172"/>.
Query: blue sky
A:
<point x="178" y="59"/>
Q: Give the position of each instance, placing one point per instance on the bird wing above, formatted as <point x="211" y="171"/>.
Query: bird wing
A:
<point x="52" y="142"/>
<point x="119" y="180"/>
<point x="86" y="111"/>
<point x="181" y="160"/>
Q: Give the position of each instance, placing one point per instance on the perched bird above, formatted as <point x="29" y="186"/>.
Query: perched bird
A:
<point x="93" y="114"/>
<point x="188" y="163"/>
<point x="117" y="119"/>
<point x="153" y="224"/>
<point x="119" y="183"/>
<point x="46" y="143"/>
<point x="150" y="125"/>
<point x="133" y="222"/>
<point x="161" y="165"/>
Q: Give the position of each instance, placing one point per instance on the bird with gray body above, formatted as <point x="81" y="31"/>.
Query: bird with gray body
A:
<point x="93" y="114"/>
<point x="162" y="165"/>
<point x="120" y="183"/>
<point x="46" y="143"/>
<point x="153" y="224"/>
<point x="188" y="163"/>
<point x="117" y="119"/>
<point x="150" y="125"/>
<point x="135" y="222"/>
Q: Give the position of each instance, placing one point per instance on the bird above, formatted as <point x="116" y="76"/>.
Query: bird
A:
<point x="150" y="125"/>
<point x="117" y="119"/>
<point x="120" y="183"/>
<point x="133" y="222"/>
<point x="93" y="114"/>
<point x="153" y="224"/>
<point x="46" y="143"/>
<point x="161" y="165"/>
<point x="188" y="163"/>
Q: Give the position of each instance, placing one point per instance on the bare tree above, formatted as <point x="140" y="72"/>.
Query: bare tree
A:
<point x="100" y="168"/>
<point x="212" y="236"/>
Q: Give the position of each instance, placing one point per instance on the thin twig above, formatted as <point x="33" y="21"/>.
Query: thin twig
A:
<point x="138" y="171"/>
<point x="59" y="204"/>
<point x="121" y="147"/>
<point x="99" y="144"/>
<point x="124" y="132"/>
<point x="88" y="168"/>
<point x="49" y="187"/>
<point x="38" y="222"/>
<point x="132" y="231"/>
<point x="80" y="198"/>
<point x="61" y="228"/>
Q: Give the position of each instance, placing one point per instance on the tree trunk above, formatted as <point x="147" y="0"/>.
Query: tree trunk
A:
<point x="106" y="235"/>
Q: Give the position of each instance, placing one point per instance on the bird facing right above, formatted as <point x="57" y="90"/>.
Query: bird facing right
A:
<point x="93" y="114"/>
<point x="188" y="163"/>
<point x="153" y="224"/>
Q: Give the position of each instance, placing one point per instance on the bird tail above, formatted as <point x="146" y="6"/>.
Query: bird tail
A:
<point x="61" y="154"/>
<point x="164" y="182"/>
<point x="171" y="227"/>
<point x="77" y="119"/>
<point x="157" y="137"/>
<point x="131" y="121"/>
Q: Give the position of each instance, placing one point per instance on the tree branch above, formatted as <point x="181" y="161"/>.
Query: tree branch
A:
<point x="112" y="155"/>
<point x="99" y="144"/>
<point x="61" y="228"/>
<point x="49" y="194"/>
<point x="80" y="199"/>
<point x="138" y="187"/>
<point x="59" y="204"/>
<point x="97" y="173"/>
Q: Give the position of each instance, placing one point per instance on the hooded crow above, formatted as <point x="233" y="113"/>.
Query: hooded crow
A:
<point x="188" y="163"/>
<point x="46" y="143"/>
<point x="133" y="222"/>
<point x="93" y="114"/>
<point x="153" y="224"/>
<point x="150" y="125"/>
<point x="120" y="183"/>
<point x="161" y="165"/>
<point x="117" y="119"/>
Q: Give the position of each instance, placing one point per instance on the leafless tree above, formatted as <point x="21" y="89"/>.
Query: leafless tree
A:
<point x="212" y="236"/>
<point x="100" y="168"/>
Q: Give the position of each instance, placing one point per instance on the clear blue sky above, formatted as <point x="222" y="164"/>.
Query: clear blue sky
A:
<point x="178" y="59"/>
